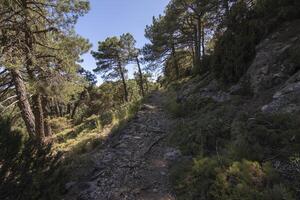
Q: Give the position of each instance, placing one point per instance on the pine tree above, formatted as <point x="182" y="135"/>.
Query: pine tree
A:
<point x="28" y="32"/>
<point x="132" y="54"/>
<point x="111" y="60"/>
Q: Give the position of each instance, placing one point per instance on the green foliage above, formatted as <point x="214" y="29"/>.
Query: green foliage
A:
<point x="235" y="49"/>
<point x="110" y="58"/>
<point x="28" y="167"/>
<point x="262" y="137"/>
<point x="235" y="155"/>
<point x="203" y="127"/>
<point x="248" y="180"/>
<point x="208" y="178"/>
<point x="194" y="180"/>
<point x="59" y="124"/>
<point x="246" y="27"/>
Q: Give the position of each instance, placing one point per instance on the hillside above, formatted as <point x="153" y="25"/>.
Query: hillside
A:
<point x="220" y="142"/>
<point x="203" y="105"/>
<point x="242" y="141"/>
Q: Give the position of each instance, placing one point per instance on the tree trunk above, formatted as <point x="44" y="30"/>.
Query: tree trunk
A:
<point x="175" y="62"/>
<point x="68" y="109"/>
<point x="141" y="77"/>
<point x="36" y="100"/>
<point x="56" y="109"/>
<point x="197" y="46"/>
<point x="203" y="39"/>
<point x="199" y="38"/>
<point x="39" y="116"/>
<point x="74" y="109"/>
<point x="61" y="110"/>
<point x="47" y="127"/>
<point x="124" y="82"/>
<point x="23" y="102"/>
<point x="226" y="7"/>
<point x="147" y="85"/>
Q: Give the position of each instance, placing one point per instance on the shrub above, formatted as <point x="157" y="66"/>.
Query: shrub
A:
<point x="59" y="124"/>
<point x="106" y="118"/>
<point x="248" y="180"/>
<point x="194" y="180"/>
<point x="246" y="27"/>
<point x="265" y="136"/>
<point x="215" y="179"/>
<point x="28" y="167"/>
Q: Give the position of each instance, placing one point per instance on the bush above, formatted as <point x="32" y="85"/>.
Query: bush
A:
<point x="213" y="179"/>
<point x="248" y="180"/>
<point x="59" y="124"/>
<point x="28" y="167"/>
<point x="205" y="128"/>
<point x="194" y="180"/>
<point x="246" y="27"/>
<point x="106" y="118"/>
<point x="265" y="136"/>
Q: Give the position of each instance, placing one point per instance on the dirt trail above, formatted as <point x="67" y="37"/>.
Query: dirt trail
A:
<point x="133" y="165"/>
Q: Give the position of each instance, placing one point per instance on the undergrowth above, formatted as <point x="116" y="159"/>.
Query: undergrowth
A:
<point x="39" y="170"/>
<point x="235" y="154"/>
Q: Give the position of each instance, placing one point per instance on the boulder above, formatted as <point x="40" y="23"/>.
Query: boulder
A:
<point x="287" y="98"/>
<point x="274" y="64"/>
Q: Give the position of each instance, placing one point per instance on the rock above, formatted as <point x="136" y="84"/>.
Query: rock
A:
<point x="286" y="99"/>
<point x="172" y="154"/>
<point x="163" y="173"/>
<point x="69" y="185"/>
<point x="117" y="172"/>
<point x="273" y="64"/>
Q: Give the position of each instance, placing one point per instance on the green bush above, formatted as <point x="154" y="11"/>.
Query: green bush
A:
<point x="205" y="129"/>
<point x="194" y="180"/>
<point x="213" y="179"/>
<point x="106" y="118"/>
<point x="59" y="124"/>
<point x="265" y="136"/>
<point x="248" y="180"/>
<point x="28" y="167"/>
<point x="235" y="49"/>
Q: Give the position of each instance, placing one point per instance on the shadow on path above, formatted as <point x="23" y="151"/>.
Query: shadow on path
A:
<point x="134" y="163"/>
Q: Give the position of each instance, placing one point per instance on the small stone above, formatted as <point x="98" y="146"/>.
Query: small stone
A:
<point x="163" y="173"/>
<point x="172" y="155"/>
<point x="69" y="185"/>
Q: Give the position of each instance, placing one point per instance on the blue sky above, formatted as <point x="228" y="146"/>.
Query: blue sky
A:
<point x="115" y="17"/>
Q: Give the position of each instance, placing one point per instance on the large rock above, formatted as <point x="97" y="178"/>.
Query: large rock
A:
<point x="286" y="99"/>
<point x="275" y="70"/>
<point x="205" y="88"/>
<point x="274" y="64"/>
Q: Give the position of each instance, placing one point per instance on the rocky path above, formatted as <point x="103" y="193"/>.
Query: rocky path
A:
<point x="133" y="165"/>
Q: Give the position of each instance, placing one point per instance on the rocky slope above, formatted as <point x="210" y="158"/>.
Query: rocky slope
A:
<point x="255" y="120"/>
<point x="272" y="82"/>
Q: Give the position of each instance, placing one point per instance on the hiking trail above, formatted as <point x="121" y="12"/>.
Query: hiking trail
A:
<point x="134" y="163"/>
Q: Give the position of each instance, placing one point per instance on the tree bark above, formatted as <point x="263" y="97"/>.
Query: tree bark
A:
<point x="47" y="127"/>
<point x="124" y="82"/>
<point x="226" y="7"/>
<point x="36" y="100"/>
<point x="175" y="62"/>
<point x="23" y="102"/>
<point x="141" y="77"/>
<point x="75" y="108"/>
<point x="197" y="44"/>
<point x="57" y="112"/>
<point x="39" y="116"/>
<point x="147" y="85"/>
<point x="203" y="39"/>
<point x="61" y="110"/>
